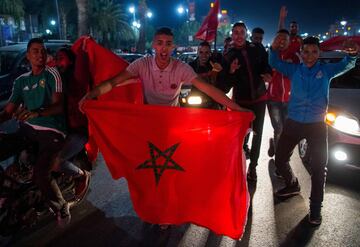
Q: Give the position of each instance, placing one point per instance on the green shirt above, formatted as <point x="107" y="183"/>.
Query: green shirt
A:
<point x="36" y="92"/>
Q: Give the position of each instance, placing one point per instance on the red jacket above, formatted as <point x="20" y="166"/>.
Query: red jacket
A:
<point x="279" y="86"/>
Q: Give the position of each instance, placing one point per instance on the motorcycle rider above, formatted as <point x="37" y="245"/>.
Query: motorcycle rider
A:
<point x="76" y="122"/>
<point x="37" y="102"/>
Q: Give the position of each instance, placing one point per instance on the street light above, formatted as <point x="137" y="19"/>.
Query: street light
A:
<point x="343" y="23"/>
<point x="132" y="9"/>
<point x="180" y="10"/>
<point x="149" y="14"/>
<point x="53" y="22"/>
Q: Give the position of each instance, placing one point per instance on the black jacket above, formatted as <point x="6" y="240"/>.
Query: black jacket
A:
<point x="246" y="81"/>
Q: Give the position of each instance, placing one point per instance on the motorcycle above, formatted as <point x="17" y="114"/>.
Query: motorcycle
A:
<point x="194" y="98"/>
<point x="21" y="202"/>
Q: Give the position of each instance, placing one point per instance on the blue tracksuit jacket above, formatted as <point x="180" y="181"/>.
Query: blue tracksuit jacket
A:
<point x="309" y="86"/>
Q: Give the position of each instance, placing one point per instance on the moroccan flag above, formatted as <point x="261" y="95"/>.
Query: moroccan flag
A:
<point x="336" y="43"/>
<point x="90" y="70"/>
<point x="182" y="164"/>
<point x="208" y="28"/>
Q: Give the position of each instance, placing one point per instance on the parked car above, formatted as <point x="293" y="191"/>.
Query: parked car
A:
<point x="13" y="63"/>
<point x="188" y="57"/>
<point x="130" y="57"/>
<point x="342" y="118"/>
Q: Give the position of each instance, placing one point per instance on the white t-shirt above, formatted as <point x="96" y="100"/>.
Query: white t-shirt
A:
<point x="162" y="87"/>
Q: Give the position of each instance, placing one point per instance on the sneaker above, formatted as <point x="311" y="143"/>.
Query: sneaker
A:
<point x="247" y="152"/>
<point x="82" y="185"/>
<point x="289" y="191"/>
<point x="64" y="216"/>
<point x="251" y="174"/>
<point x="314" y="216"/>
<point x="271" y="151"/>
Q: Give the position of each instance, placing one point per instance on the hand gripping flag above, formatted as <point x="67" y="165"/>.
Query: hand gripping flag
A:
<point x="90" y="69"/>
<point x="208" y="29"/>
<point x="182" y="164"/>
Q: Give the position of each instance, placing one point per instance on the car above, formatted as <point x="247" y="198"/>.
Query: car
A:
<point x="13" y="63"/>
<point x="188" y="57"/>
<point x="130" y="57"/>
<point x="342" y="118"/>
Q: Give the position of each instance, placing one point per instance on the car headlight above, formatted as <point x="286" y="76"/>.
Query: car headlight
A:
<point x="346" y="124"/>
<point x="194" y="100"/>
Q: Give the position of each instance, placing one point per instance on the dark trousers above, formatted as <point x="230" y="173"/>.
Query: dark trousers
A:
<point x="257" y="127"/>
<point x="48" y="143"/>
<point x="316" y="136"/>
<point x="278" y="114"/>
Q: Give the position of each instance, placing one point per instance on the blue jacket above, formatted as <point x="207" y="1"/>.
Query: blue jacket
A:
<point x="309" y="86"/>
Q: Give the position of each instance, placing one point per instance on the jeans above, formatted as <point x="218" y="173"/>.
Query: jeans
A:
<point x="257" y="127"/>
<point x="73" y="144"/>
<point x="278" y="114"/>
<point x="316" y="136"/>
<point x="48" y="143"/>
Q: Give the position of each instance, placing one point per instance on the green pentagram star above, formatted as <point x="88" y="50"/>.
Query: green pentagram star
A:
<point x="159" y="169"/>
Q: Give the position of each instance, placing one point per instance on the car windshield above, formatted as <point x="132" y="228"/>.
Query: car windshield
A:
<point x="349" y="80"/>
<point x="7" y="59"/>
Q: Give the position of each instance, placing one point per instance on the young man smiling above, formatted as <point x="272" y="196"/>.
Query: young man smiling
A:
<point x="306" y="116"/>
<point x="162" y="76"/>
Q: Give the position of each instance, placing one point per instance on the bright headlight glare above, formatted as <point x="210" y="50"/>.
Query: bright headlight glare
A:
<point x="330" y="117"/>
<point x="346" y="124"/>
<point x="194" y="100"/>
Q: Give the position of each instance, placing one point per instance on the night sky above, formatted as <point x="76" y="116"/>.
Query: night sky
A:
<point x="313" y="16"/>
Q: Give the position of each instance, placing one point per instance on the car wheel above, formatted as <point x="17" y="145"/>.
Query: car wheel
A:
<point x="304" y="151"/>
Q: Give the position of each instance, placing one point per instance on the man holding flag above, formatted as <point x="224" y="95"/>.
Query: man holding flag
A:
<point x="176" y="146"/>
<point x="162" y="76"/>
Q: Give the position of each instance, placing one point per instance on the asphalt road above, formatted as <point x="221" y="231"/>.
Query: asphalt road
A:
<point x="106" y="217"/>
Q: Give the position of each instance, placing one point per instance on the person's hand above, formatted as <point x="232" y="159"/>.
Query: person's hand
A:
<point x="234" y="66"/>
<point x="283" y="12"/>
<point x="81" y="102"/>
<point x="350" y="47"/>
<point x="216" y="67"/>
<point x="22" y="114"/>
<point x="266" y="77"/>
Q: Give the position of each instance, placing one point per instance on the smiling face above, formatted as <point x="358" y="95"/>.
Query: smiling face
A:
<point x="36" y="55"/>
<point x="310" y="54"/>
<point x="63" y="62"/>
<point x="163" y="46"/>
<point x="204" y="54"/>
<point x="238" y="36"/>
<point x="284" y="40"/>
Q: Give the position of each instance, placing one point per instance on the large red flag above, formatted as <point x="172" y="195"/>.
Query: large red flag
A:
<point x="95" y="64"/>
<point x="182" y="164"/>
<point x="208" y="28"/>
<point x="336" y="43"/>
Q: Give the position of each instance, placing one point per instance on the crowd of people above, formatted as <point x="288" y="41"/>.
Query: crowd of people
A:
<point x="45" y="101"/>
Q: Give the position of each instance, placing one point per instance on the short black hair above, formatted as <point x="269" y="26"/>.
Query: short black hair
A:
<point x="239" y="24"/>
<point x="311" y="40"/>
<point x="205" y="43"/>
<point x="284" y="31"/>
<point x="33" y="41"/>
<point x="69" y="53"/>
<point x="165" y="31"/>
<point x="258" y="30"/>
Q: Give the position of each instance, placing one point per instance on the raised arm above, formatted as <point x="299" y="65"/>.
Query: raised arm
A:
<point x="347" y="63"/>
<point x="285" y="68"/>
<point x="282" y="17"/>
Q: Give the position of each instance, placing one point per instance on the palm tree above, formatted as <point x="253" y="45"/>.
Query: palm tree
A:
<point x="83" y="24"/>
<point x="109" y="22"/>
<point x="140" y="47"/>
<point x="12" y="8"/>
